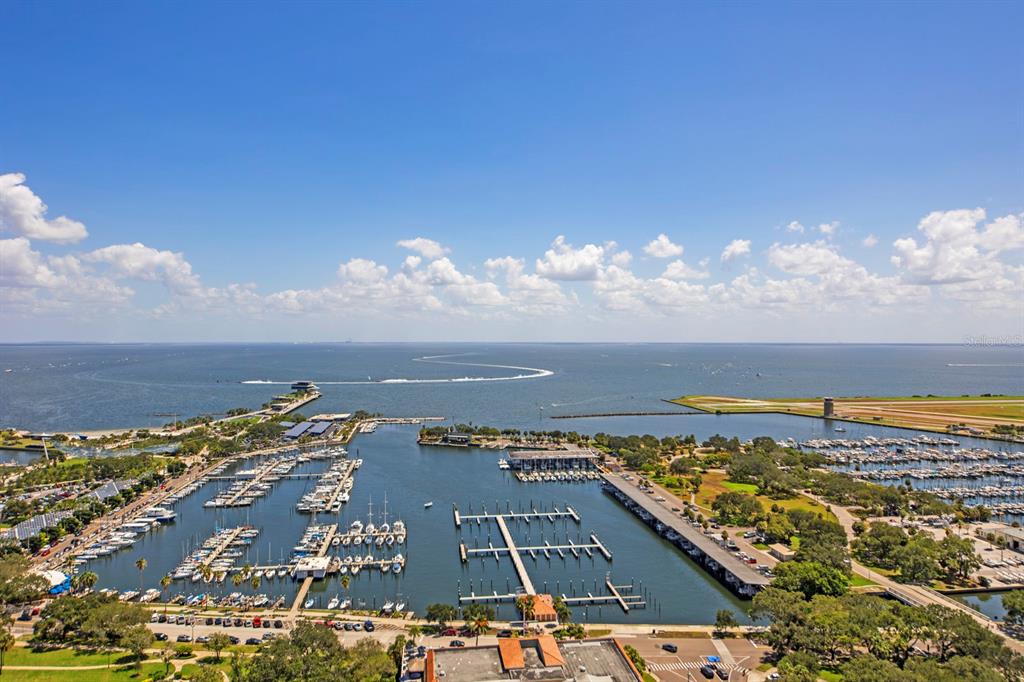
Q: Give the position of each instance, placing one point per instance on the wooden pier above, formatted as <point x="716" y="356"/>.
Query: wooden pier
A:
<point x="534" y="513"/>
<point x="265" y="470"/>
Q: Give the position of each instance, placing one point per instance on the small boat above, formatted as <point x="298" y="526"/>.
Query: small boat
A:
<point x="428" y="505"/>
<point x="333" y="604"/>
<point x="282" y="572"/>
<point x="308" y="604"/>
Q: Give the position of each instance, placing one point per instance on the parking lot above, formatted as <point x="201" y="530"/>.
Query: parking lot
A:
<point x="736" y="658"/>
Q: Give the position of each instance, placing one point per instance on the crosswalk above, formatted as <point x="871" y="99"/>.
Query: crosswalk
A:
<point x="692" y="665"/>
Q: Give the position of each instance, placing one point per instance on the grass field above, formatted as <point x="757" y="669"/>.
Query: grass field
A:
<point x="715" y="483"/>
<point x="928" y="413"/>
<point x="113" y="674"/>
<point x="22" y="655"/>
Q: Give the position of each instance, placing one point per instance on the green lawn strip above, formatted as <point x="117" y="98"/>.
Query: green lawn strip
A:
<point x="860" y="581"/>
<point x="749" y="488"/>
<point x="112" y="674"/>
<point x="21" y="655"/>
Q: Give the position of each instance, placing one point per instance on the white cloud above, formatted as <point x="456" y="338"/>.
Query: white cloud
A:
<point x="678" y="270"/>
<point x="145" y="263"/>
<point x="427" y="248"/>
<point x="622" y="259"/>
<point x="564" y="262"/>
<point x="24" y="214"/>
<point x="870" y="241"/>
<point x="662" y="247"/>
<point x="735" y="249"/>
<point x="795" y="226"/>
<point x="805" y="259"/>
<point x="829" y="229"/>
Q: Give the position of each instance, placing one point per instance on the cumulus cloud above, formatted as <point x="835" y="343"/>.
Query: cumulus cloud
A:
<point x="678" y="270"/>
<point x="735" y="249"/>
<point x="795" y="226"/>
<point x="564" y="262"/>
<point x="24" y="214"/>
<point x="622" y="259"/>
<point x="138" y="261"/>
<point x="870" y="241"/>
<point x="428" y="248"/>
<point x="829" y="229"/>
<point x="662" y="247"/>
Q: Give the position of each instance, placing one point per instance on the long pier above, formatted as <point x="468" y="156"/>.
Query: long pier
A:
<point x="517" y="560"/>
<point x="235" y="499"/>
<point x="307" y="582"/>
<point x="716" y="559"/>
<point x="552" y="515"/>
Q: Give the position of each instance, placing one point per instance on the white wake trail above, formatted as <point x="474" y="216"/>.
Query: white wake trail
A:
<point x="533" y="373"/>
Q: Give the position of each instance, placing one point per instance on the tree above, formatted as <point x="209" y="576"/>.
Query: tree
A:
<point x="810" y="578"/>
<point x="526" y="606"/>
<point x="777" y="528"/>
<point x="442" y="614"/>
<point x="17" y="583"/>
<point x="165" y="583"/>
<point x="314" y="654"/>
<point x="725" y="620"/>
<point x="878" y="545"/>
<point x="799" y="666"/>
<point x="957" y="557"/>
<point x="869" y="669"/>
<point x="205" y="673"/>
<point x="87" y="580"/>
<point x="1013" y="602"/>
<point x="141" y="564"/>
<point x="218" y="642"/>
<point x="918" y="560"/>
<point x="562" y="610"/>
<point x="737" y="509"/>
<point x="167" y="655"/>
<point x="7" y="638"/>
<point x="637" y="659"/>
<point x="137" y="639"/>
<point x="414" y="631"/>
<point x="237" y="579"/>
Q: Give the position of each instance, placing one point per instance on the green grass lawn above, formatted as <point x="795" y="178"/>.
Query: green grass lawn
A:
<point x="189" y="669"/>
<point x="861" y="581"/>
<point x="748" y="488"/>
<point x="25" y="656"/>
<point x="113" y="674"/>
<point x="830" y="675"/>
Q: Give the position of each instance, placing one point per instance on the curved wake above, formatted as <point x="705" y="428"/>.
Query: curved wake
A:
<point x="533" y="373"/>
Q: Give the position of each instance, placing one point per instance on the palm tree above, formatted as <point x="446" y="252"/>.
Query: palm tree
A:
<point x="526" y="605"/>
<point x="246" y="570"/>
<point x="141" y="565"/>
<point x="414" y="632"/>
<point x="477" y="626"/>
<point x="206" y="572"/>
<point x="255" y="582"/>
<point x="165" y="582"/>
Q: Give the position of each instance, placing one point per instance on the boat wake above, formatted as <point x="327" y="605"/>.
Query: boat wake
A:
<point x="530" y="373"/>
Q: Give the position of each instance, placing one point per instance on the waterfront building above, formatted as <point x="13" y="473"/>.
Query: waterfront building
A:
<point x="304" y="386"/>
<point x="828" y="407"/>
<point x="538" y="658"/>
<point x="312" y="567"/>
<point x="781" y="552"/>
<point x="533" y="460"/>
<point x="297" y="431"/>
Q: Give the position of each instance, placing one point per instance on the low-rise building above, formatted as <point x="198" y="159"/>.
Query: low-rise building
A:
<point x="312" y="567"/>
<point x="541" y="658"/>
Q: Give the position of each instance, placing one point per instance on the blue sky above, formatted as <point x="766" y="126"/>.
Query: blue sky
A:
<point x="269" y="144"/>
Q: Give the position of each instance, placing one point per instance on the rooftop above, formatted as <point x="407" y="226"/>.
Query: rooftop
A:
<point x="543" y="659"/>
<point x="574" y="453"/>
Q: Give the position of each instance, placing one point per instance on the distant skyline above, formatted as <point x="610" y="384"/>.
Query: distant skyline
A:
<point x="834" y="172"/>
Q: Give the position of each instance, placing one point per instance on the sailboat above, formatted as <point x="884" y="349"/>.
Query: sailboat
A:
<point x="428" y="505"/>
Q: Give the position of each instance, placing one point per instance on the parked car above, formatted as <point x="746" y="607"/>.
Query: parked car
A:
<point x="504" y="633"/>
<point x="671" y="648"/>
<point x="266" y="623"/>
<point x="368" y="626"/>
<point x="349" y="627"/>
<point x="707" y="671"/>
<point x="253" y="640"/>
<point x="202" y="639"/>
<point x="184" y="638"/>
<point x="456" y="643"/>
<point x="278" y="624"/>
<point x="233" y="639"/>
<point x="449" y="632"/>
<point x="160" y="636"/>
<point x="722" y="673"/>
